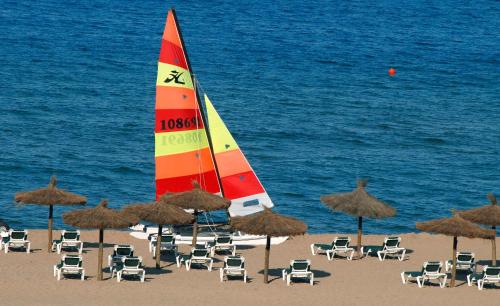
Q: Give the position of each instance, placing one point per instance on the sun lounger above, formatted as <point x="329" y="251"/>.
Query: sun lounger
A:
<point x="299" y="268"/>
<point x="431" y="270"/>
<point x="131" y="266"/>
<point x="490" y="275"/>
<point x="223" y="243"/>
<point x="16" y="240"/>
<point x="197" y="256"/>
<point x="338" y="245"/>
<point x="70" y="264"/>
<point x="390" y="247"/>
<point x="120" y="251"/>
<point x="167" y="244"/>
<point x="152" y="237"/>
<point x="69" y="239"/>
<point x="233" y="266"/>
<point x="465" y="261"/>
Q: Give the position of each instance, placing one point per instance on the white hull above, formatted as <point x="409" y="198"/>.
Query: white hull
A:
<point x="242" y="239"/>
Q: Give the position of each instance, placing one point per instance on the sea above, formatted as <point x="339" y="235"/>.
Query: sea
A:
<point x="302" y="85"/>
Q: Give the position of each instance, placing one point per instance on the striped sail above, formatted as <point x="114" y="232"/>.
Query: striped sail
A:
<point x="182" y="153"/>
<point x="239" y="182"/>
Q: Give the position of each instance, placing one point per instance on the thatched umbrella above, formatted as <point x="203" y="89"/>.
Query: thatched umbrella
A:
<point x="159" y="213"/>
<point x="455" y="226"/>
<point x="359" y="203"/>
<point x="270" y="224"/>
<point x="487" y="215"/>
<point x="198" y="200"/>
<point x="50" y="196"/>
<point x="100" y="217"/>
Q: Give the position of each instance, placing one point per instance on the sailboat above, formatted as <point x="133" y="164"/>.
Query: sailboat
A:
<point x="192" y="143"/>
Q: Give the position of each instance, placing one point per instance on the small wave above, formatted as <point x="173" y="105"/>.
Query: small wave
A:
<point x="125" y="169"/>
<point x="434" y="140"/>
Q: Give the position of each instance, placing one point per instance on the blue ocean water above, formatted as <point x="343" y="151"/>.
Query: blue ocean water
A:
<point x="303" y="86"/>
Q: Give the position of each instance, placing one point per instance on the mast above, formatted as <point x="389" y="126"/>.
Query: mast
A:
<point x="203" y="116"/>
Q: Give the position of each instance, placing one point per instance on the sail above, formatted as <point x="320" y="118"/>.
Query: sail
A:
<point x="182" y="153"/>
<point x="239" y="182"/>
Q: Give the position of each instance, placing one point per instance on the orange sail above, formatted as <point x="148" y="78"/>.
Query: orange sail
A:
<point x="182" y="153"/>
<point x="239" y="182"/>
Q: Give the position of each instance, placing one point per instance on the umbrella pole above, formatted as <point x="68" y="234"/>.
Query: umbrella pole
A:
<point x="158" y="244"/>
<point x="266" y="261"/>
<point x="454" y="270"/>
<point x="51" y="211"/>
<point x="494" y="246"/>
<point x="360" y="233"/>
<point x="195" y="228"/>
<point x="99" y="257"/>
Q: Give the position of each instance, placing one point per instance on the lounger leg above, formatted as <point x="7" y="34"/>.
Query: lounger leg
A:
<point x="80" y="249"/>
<point x="402" y="255"/>
<point x="379" y="256"/>
<point x="221" y="274"/>
<point x="55" y="270"/>
<point x="28" y="248"/>
<point x="7" y="248"/>
<point x="245" y="276"/>
<point x="312" y="279"/>
<point x="420" y="283"/>
<point x="234" y="250"/>
<point x="312" y="250"/>
<point x="143" y="276"/>
<point x="443" y="284"/>
<point x="288" y="279"/>
<point x="350" y="257"/>
<point x="480" y="284"/>
<point x="210" y="266"/>
<point x="83" y="275"/>
<point x="178" y="261"/>
<point x="59" y="274"/>
<point x="188" y="265"/>
<point x="403" y="277"/>
<point x="119" y="276"/>
<point x="329" y="255"/>
<point x="283" y="274"/>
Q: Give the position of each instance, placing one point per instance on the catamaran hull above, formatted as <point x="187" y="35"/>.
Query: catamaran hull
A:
<point x="242" y="239"/>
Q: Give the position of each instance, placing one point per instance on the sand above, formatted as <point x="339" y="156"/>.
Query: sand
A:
<point x="26" y="279"/>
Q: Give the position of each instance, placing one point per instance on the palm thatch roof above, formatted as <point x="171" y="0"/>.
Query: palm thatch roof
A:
<point x="50" y="196"/>
<point x="359" y="203"/>
<point x="99" y="217"/>
<point x="488" y="214"/>
<point x="269" y="223"/>
<point x="196" y="198"/>
<point x="455" y="226"/>
<point x="159" y="213"/>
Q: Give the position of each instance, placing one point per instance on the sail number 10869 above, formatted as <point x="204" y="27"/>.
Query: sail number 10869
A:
<point x="179" y="123"/>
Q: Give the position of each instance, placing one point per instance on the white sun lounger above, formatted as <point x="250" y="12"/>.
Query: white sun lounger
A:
<point x="197" y="256"/>
<point x="340" y="245"/>
<point x="390" y="247"/>
<point x="70" y="264"/>
<point x="431" y="270"/>
<point x="130" y="266"/>
<point x="120" y="251"/>
<point x="490" y="275"/>
<point x="69" y="239"/>
<point x="16" y="240"/>
<point x="299" y="268"/>
<point x="465" y="261"/>
<point x="233" y="266"/>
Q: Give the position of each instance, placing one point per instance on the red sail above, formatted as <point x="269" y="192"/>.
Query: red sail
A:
<point x="182" y="153"/>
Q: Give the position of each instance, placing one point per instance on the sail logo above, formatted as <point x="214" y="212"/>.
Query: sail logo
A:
<point x="174" y="76"/>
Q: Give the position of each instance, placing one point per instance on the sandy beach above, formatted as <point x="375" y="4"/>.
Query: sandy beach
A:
<point x="26" y="279"/>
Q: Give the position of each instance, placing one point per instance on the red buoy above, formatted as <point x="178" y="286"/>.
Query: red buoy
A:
<point x="392" y="71"/>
